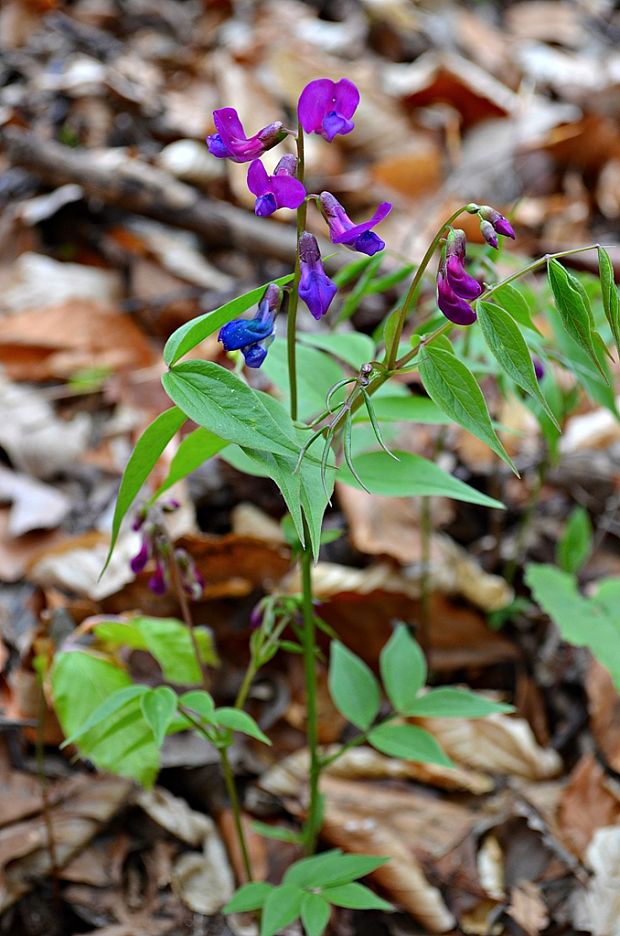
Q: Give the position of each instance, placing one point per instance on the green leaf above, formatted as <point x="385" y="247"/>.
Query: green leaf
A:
<point x="507" y="345"/>
<point x="410" y="476"/>
<point x="218" y="400"/>
<point x="591" y="623"/>
<point x="454" y="389"/>
<point x="514" y="302"/>
<point x="167" y="639"/>
<point x="282" y="906"/>
<point x="108" y="707"/>
<point x="159" y="706"/>
<point x="610" y="294"/>
<point x="407" y="408"/>
<point x="250" y="896"/>
<point x="195" y="449"/>
<point x="196" y="330"/>
<point x="355" y="897"/>
<point x="454" y="703"/>
<point x="315" y="914"/>
<point x="123" y="743"/>
<point x="576" y="543"/>
<point x="574" y="308"/>
<point x="331" y="868"/>
<point x="403" y="669"/>
<point x="354" y="348"/>
<point x="316" y="373"/>
<point x="277" y="833"/>
<point x="351" y="302"/>
<point x="409" y="743"/>
<point x="141" y="462"/>
<point x="350" y="271"/>
<point x="237" y="720"/>
<point x="201" y="702"/>
<point x="353" y="687"/>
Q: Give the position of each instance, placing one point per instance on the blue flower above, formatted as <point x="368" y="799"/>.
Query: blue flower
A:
<point x="315" y="286"/>
<point x="253" y="336"/>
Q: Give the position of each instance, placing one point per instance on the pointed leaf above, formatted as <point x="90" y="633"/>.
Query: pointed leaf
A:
<point x="195" y="449"/>
<point x="403" y="669"/>
<point x="454" y="388"/>
<point x="315" y="914"/>
<point x="576" y="543"/>
<point x="159" y="707"/>
<point x="250" y="896"/>
<point x="332" y="868"/>
<point x="409" y="743"/>
<point x="116" y="701"/>
<point x="574" y="308"/>
<point x="282" y="906"/>
<point x="199" y="701"/>
<point x="237" y="720"/>
<point x="610" y="294"/>
<point x="355" y="897"/>
<point x="447" y="702"/>
<point x="353" y="687"/>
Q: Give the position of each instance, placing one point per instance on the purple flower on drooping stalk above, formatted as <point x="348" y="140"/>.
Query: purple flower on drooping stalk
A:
<point x="453" y="306"/>
<point x="156" y="545"/>
<point x="488" y="232"/>
<point x="280" y="190"/>
<point x="354" y="236"/>
<point x="231" y="142"/>
<point x="158" y="582"/>
<point x="253" y="336"/>
<point x="315" y="287"/>
<point x="139" y="561"/>
<point x="539" y="367"/>
<point x="191" y="579"/>
<point x="326" y="107"/>
<point x="492" y="223"/>
<point x="459" y="280"/>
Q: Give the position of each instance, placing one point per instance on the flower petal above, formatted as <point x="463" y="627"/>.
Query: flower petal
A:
<point x="353" y="232"/>
<point x="368" y="243"/>
<point x="317" y="290"/>
<point x="288" y="192"/>
<point x="258" y="180"/>
<point x="347" y="97"/>
<point x="334" y="123"/>
<point x="228" y="125"/>
<point x="313" y="103"/>
<point x="460" y="281"/>
<point x="265" y="205"/>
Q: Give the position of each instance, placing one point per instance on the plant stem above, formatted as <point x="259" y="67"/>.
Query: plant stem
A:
<point x="186" y="614"/>
<point x="291" y="334"/>
<point x="313" y="820"/>
<point x="45" y="803"/>
<point x="231" y="789"/>
<point x="426" y="533"/>
<point x="244" y="689"/>
<point x="535" y="265"/>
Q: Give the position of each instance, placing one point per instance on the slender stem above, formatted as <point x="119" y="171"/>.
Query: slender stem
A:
<point x="45" y="802"/>
<point x="328" y="761"/>
<point x="313" y="820"/>
<point x="535" y="265"/>
<point x="392" y="352"/>
<point x="426" y="533"/>
<point x="231" y="789"/>
<point x="186" y="614"/>
<point x="244" y="689"/>
<point x="291" y="336"/>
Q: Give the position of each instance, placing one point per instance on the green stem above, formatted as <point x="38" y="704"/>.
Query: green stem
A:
<point x="231" y="789"/>
<point x="313" y="820"/>
<point x="328" y="761"/>
<point x="291" y="336"/>
<point x="244" y="689"/>
<point x="409" y="299"/>
<point x="535" y="265"/>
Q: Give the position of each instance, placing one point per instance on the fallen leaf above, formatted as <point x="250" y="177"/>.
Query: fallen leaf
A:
<point x="604" y="708"/>
<point x="597" y="910"/>
<point x="35" y="506"/>
<point x="36" y="281"/>
<point x="528" y="909"/>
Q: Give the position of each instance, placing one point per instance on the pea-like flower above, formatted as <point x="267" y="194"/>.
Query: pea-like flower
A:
<point x="455" y="287"/>
<point x="454" y="307"/>
<point x="315" y="286"/>
<point x="326" y="107"/>
<point x="342" y="230"/>
<point x="492" y="223"/>
<point x="280" y="190"/>
<point x="231" y="142"/>
<point x="157" y="546"/>
<point x="253" y="336"/>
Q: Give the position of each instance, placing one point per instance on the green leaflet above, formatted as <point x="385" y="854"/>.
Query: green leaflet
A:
<point x="195" y="449"/>
<point x="610" y="294"/>
<point x="574" y="308"/>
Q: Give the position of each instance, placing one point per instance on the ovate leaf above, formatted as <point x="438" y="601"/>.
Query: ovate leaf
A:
<point x="454" y="389"/>
<point x="610" y="294"/>
<point x="353" y="687"/>
<point x="576" y="543"/>
<point x="574" y="308"/>
<point x="315" y="914"/>
<point x="332" y="868"/>
<point x="455" y="703"/>
<point x="355" y="897"/>
<point x="507" y="345"/>
<point x="237" y="720"/>
<point x="195" y="449"/>
<point x="409" y="743"/>
<point x="403" y="669"/>
<point x="282" y="906"/>
<point x="250" y="896"/>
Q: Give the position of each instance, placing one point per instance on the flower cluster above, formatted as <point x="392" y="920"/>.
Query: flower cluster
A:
<point x="325" y="107"/>
<point x="157" y="547"/>
<point x="456" y="289"/>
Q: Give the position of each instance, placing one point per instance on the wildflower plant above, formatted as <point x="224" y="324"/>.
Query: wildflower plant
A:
<point x="332" y="388"/>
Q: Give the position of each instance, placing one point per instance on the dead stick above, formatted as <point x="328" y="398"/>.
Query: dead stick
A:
<point x="125" y="181"/>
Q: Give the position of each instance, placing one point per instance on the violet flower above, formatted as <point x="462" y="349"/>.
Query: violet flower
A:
<point x="459" y="279"/>
<point x="280" y="190"/>
<point x="539" y="367"/>
<point x="326" y="107"/>
<point x="488" y="232"/>
<point x="158" y="582"/>
<point x="499" y="223"/>
<point x="454" y="307"/>
<point x="315" y="286"/>
<point x="230" y="141"/>
<point x="354" y="236"/>
<point x="253" y="336"/>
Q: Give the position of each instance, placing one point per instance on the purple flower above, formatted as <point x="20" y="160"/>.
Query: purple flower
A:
<point x="158" y="582"/>
<point x="191" y="579"/>
<point x="280" y="190"/>
<point x="539" y="367"/>
<point x="139" y="561"/>
<point x="460" y="281"/>
<point x="498" y="222"/>
<point x="488" y="232"/>
<point x="354" y="236"/>
<point x="326" y="107"/>
<point x="253" y="336"/>
<point x="315" y="286"/>
<point x="454" y="307"/>
<point x="230" y="141"/>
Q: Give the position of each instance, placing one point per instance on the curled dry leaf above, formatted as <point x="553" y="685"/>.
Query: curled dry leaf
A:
<point x="597" y="429"/>
<point x="235" y="565"/>
<point x="174" y="815"/>
<point x="89" y="803"/>
<point x="249" y="520"/>
<point x="364" y="763"/>
<point x="497" y="744"/>
<point x="190" y="161"/>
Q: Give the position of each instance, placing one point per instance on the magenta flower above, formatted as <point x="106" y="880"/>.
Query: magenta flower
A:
<point x="158" y="582"/>
<point x="230" y="141"/>
<point x="459" y="279"/>
<point x="253" y="336"/>
<point x="280" y="190"/>
<point x="354" y="236"/>
<point x="454" y="307"/>
<point x="315" y="286"/>
<point x="539" y="367"/>
<point x="498" y="222"/>
<point x="139" y="561"/>
<point x="326" y="107"/>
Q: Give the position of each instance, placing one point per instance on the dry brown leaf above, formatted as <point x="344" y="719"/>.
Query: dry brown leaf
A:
<point x="497" y="744"/>
<point x="588" y="803"/>
<point x="528" y="909"/>
<point x="547" y="21"/>
<point x="248" y="520"/>
<point x="36" y="281"/>
<point x="174" y="815"/>
<point x="604" y="707"/>
<point x="17" y="555"/>
<point x="89" y="803"/>
<point x="59" y="340"/>
<point x="597" y="910"/>
<point x="235" y="565"/>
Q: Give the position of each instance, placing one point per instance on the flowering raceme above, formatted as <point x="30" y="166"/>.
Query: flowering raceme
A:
<point x="280" y="190"/>
<point x="230" y="141"/>
<point x="253" y="336"/>
<point x="156" y="546"/>
<point x="354" y="236"/>
<point x="326" y="107"/>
